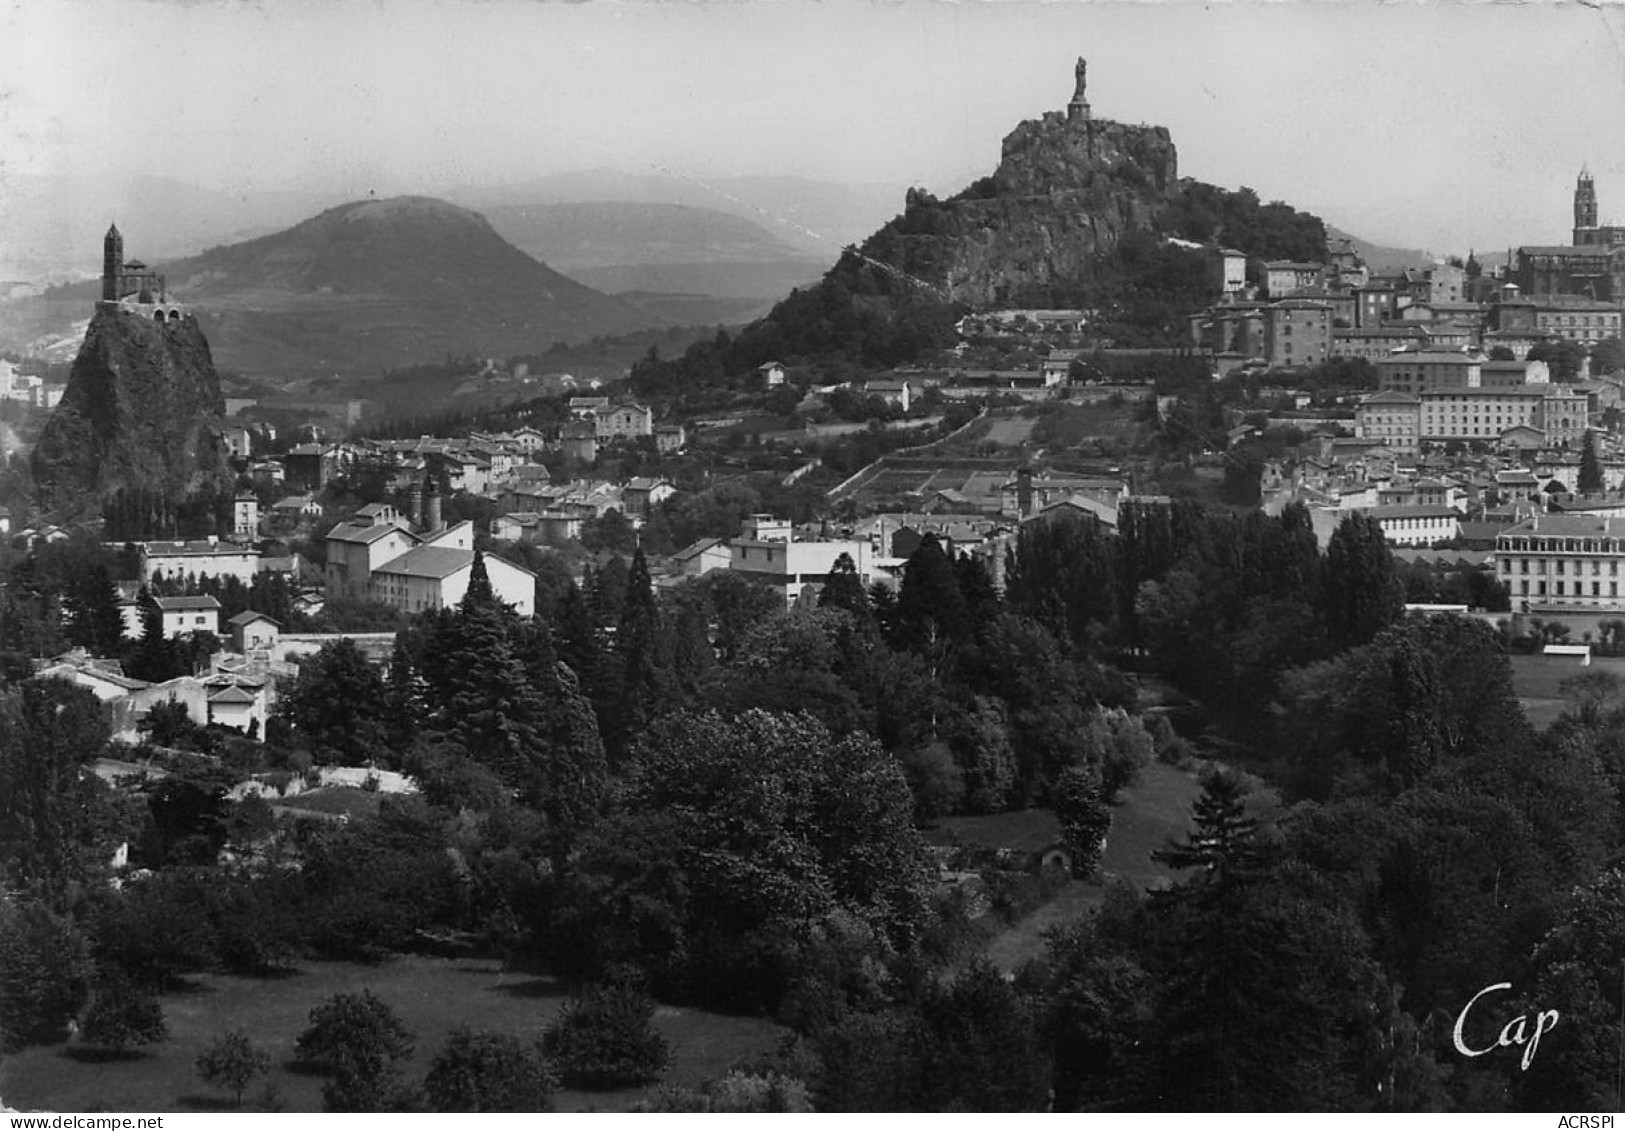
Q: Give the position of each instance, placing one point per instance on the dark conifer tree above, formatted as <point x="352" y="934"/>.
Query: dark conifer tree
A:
<point x="479" y="593"/>
<point x="976" y="587"/>
<point x="407" y="706"/>
<point x="1224" y="847"/>
<point x="1591" y="478"/>
<point x="930" y="607"/>
<point x="606" y="592"/>
<point x="155" y="658"/>
<point x="94" y="620"/>
<point x="844" y="589"/>
<point x="575" y="638"/>
<point x="572" y="780"/>
<point x="642" y="668"/>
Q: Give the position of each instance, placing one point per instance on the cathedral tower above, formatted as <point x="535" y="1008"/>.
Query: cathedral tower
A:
<point x="1585" y="206"/>
<point x="112" y="264"/>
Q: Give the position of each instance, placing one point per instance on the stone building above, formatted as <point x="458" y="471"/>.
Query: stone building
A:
<point x="1592" y="266"/>
<point x="1562" y="560"/>
<point x="133" y="287"/>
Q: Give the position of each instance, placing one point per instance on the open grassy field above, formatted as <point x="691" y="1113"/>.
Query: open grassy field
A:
<point x="1537" y="682"/>
<point x="1089" y="427"/>
<point x="1010" y="431"/>
<point x="431" y="995"/>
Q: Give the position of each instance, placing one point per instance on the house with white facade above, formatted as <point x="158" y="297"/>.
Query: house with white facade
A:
<point x="1417" y="525"/>
<point x="202" y="558"/>
<point x="436" y="576"/>
<point x="767" y="553"/>
<point x="360" y="545"/>
<point x="182" y="615"/>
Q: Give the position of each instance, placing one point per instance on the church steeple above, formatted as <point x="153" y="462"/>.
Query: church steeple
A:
<point x="1585" y="204"/>
<point x="112" y="263"/>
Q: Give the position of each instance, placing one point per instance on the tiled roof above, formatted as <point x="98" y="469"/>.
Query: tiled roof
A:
<point x="1564" y="251"/>
<point x="1431" y="357"/>
<point x="695" y="549"/>
<point x="177" y="604"/>
<point x="429" y="561"/>
<point x="198" y="548"/>
<point x="365" y="535"/>
<point x="1413" y="512"/>
<point x="1570" y="526"/>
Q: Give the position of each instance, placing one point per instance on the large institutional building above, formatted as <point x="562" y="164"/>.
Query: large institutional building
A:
<point x="415" y="562"/>
<point x="1438" y="397"/>
<point x="1569" y="561"/>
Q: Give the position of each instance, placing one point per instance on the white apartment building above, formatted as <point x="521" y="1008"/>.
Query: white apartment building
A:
<point x="202" y="558"/>
<point x="1417" y="525"/>
<point x="437" y="576"/>
<point x="1562" y="560"/>
<point x="767" y="553"/>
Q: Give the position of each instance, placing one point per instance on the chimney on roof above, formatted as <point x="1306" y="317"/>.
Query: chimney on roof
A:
<point x="414" y="505"/>
<point x="432" y="520"/>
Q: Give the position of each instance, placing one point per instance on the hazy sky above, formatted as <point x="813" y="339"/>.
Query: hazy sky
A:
<point x="1430" y="124"/>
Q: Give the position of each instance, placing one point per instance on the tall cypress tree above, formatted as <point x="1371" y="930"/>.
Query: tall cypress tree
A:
<point x="407" y="704"/>
<point x="930" y="606"/>
<point x="1591" y="479"/>
<point x="479" y="592"/>
<point x="94" y="618"/>
<point x="638" y="654"/>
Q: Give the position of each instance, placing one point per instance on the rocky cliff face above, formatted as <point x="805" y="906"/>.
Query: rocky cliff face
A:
<point x="1064" y="195"/>
<point x="142" y="410"/>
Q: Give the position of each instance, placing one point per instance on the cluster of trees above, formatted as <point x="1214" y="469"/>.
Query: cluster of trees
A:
<point x="140" y="513"/>
<point x="358" y="1043"/>
<point x="704" y="796"/>
<point x="1210" y="214"/>
<point x="63" y="596"/>
<point x="1221" y="603"/>
<point x="1445" y="585"/>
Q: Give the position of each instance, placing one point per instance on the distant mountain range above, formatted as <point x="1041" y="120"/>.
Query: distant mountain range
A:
<point x="817" y="218"/>
<point x="372" y="285"/>
<point x="678" y="249"/>
<point x="53" y="224"/>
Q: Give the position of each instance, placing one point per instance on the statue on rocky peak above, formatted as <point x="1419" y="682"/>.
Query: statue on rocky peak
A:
<point x="1078" y="108"/>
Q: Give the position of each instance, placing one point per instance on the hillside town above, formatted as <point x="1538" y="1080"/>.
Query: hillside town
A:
<point x="905" y="700"/>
